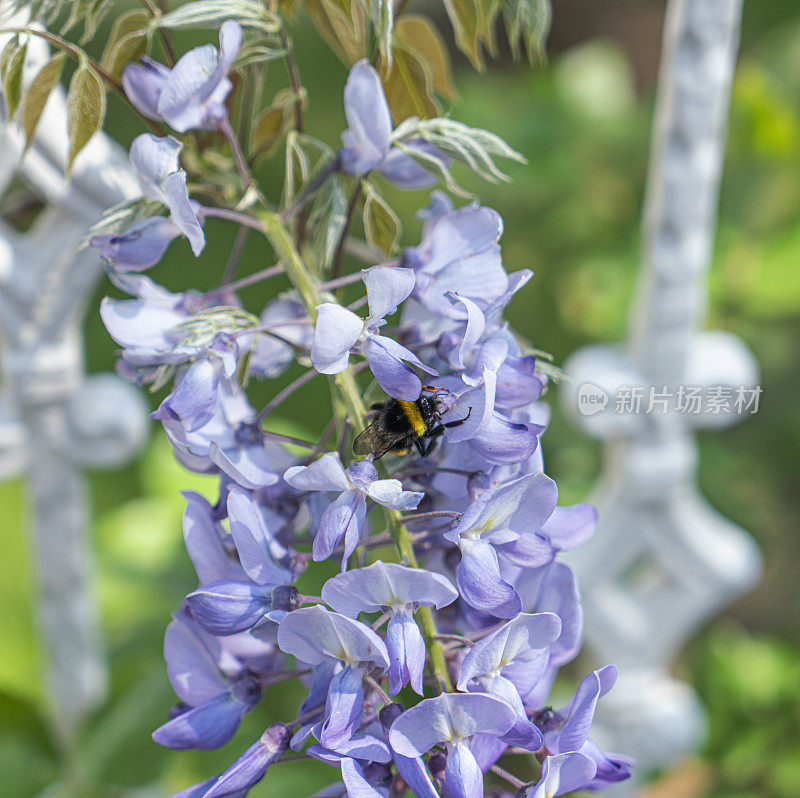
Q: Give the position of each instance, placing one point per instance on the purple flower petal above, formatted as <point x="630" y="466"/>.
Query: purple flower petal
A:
<point x="480" y="582"/>
<point x="390" y="493"/>
<point x="326" y="473"/>
<point x="406" y="648"/>
<point x="344" y="707"/>
<point x="569" y="527"/>
<point x="580" y="712"/>
<point x="386" y="584"/>
<point x="337" y="331"/>
<point x="143" y="83"/>
<point x="448" y="717"/>
<point x="563" y="773"/>
<point x="203" y="538"/>
<point x="139" y="247"/>
<point x="207" y="726"/>
<point x="401" y="169"/>
<point x="387" y="287"/>
<point x="154" y="158"/>
<point x="183" y="213"/>
<point x="462" y="773"/>
<point x="386" y="360"/>
<point x="314" y="634"/>
<point x="227" y="607"/>
<point x="368" y="136"/>
<point x="343" y="518"/>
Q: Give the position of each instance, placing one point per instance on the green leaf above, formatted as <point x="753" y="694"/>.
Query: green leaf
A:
<point x="36" y="97"/>
<point x="94" y="16"/>
<point x="528" y="20"/>
<point x="474" y="147"/>
<point x="465" y="19"/>
<point x="86" y="109"/>
<point x="381" y="223"/>
<point x="408" y="86"/>
<point x="273" y="123"/>
<point x="382" y="16"/>
<point x="12" y="62"/>
<point x="128" y="41"/>
<point x="346" y="34"/>
<point x="328" y="214"/>
<point x="210" y="13"/>
<point x="419" y="35"/>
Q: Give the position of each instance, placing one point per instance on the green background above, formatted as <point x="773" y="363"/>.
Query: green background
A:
<point x="571" y="214"/>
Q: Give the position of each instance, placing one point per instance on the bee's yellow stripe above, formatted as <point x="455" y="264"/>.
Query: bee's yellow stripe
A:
<point x="414" y="416"/>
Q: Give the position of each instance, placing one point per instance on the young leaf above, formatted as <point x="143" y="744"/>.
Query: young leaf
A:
<point x="124" y="215"/>
<point x="12" y="74"/>
<point x="382" y="16"/>
<point x="210" y="13"/>
<point x="36" y="97"/>
<point x="128" y="41"/>
<point x="420" y="35"/>
<point x="528" y="20"/>
<point x="86" y="108"/>
<point x="328" y="214"/>
<point x="465" y="19"/>
<point x="273" y="122"/>
<point x="472" y="146"/>
<point x="381" y="223"/>
<point x="346" y="34"/>
<point x="408" y="86"/>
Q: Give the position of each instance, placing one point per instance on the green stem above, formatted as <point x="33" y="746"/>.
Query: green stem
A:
<point x="350" y="396"/>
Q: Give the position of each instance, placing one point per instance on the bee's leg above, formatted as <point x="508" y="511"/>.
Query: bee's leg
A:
<point x="451" y="424"/>
<point x="430" y="440"/>
<point x="422" y="446"/>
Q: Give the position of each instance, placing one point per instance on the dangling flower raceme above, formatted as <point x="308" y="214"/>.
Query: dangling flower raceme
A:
<point x="479" y="597"/>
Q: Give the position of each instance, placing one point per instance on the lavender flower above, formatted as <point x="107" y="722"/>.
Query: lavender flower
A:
<point x="192" y="94"/>
<point x="340" y="331"/>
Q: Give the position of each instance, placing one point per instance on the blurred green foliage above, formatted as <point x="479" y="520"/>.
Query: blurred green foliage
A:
<point x="572" y="214"/>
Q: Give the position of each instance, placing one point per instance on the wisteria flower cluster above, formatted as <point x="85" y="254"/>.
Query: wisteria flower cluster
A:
<point x="434" y="648"/>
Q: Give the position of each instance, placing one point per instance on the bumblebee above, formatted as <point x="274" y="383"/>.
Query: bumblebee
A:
<point x="397" y="425"/>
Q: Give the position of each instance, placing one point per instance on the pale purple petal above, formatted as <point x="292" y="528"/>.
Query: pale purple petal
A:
<point x="344" y="707"/>
<point x="154" y="158"/>
<point x="501" y="648"/>
<point x="386" y="584"/>
<point x="569" y="527"/>
<point x="503" y="441"/>
<point x="390" y="493"/>
<point x="207" y="726"/>
<point x="326" y="473"/>
<point x="356" y="782"/>
<point x="387" y="287"/>
<point x="247" y="464"/>
<point x="183" y="212"/>
<point x="143" y="83"/>
<point x="192" y="667"/>
<point x="480" y="582"/>
<point x="447" y="717"/>
<point x="462" y="773"/>
<point x="203" y="538"/>
<point x="406" y="648"/>
<point x="473" y="330"/>
<point x="256" y="544"/>
<point x="368" y="136"/>
<point x="314" y="634"/>
<point x="560" y="594"/>
<point x="401" y="169"/>
<point x="139" y="247"/>
<point x="580" y="712"/>
<point x="563" y="773"/>
<point x="337" y="331"/>
<point x="343" y="518"/>
<point x="386" y="360"/>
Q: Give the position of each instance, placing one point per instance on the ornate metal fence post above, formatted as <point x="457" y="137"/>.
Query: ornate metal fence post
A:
<point x="54" y="420"/>
<point x="663" y="560"/>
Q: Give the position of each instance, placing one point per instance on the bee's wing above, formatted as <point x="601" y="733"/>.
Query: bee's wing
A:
<point x="371" y="442"/>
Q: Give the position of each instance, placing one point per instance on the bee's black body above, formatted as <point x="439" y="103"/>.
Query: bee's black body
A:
<point x="397" y="425"/>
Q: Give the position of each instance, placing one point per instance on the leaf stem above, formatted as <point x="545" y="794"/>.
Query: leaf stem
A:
<point x="355" y="196"/>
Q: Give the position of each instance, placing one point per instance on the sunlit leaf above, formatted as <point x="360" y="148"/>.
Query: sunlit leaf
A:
<point x="381" y="223"/>
<point x="346" y="34"/>
<point x="12" y="62"/>
<point x="420" y="35"/>
<point x="86" y="109"/>
<point x="128" y="41"/>
<point x="38" y="92"/>
<point x="408" y="85"/>
<point x="211" y="13"/>
<point x="273" y="123"/>
<point x="123" y="215"/>
<point x="528" y="21"/>
<point x="328" y="216"/>
<point x="464" y="18"/>
<point x="382" y="16"/>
